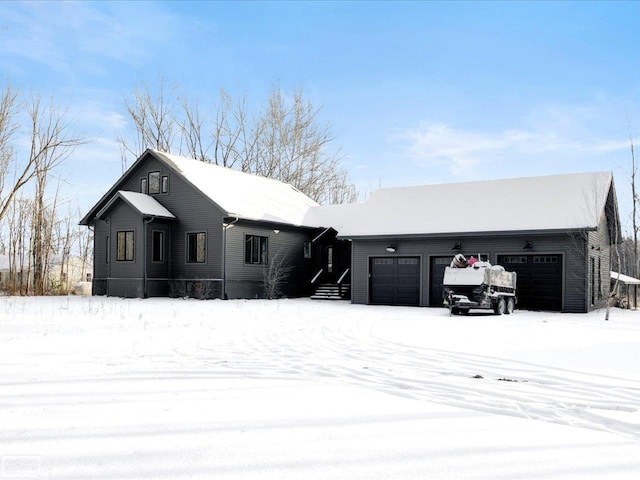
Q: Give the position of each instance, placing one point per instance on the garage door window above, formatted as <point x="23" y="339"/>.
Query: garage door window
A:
<point x="407" y="261"/>
<point x="383" y="261"/>
<point x="515" y="260"/>
<point x="545" y="259"/>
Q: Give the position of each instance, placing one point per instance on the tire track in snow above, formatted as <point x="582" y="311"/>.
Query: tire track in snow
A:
<point x="477" y="382"/>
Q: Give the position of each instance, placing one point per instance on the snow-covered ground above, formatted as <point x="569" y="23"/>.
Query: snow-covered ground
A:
<point x="105" y="388"/>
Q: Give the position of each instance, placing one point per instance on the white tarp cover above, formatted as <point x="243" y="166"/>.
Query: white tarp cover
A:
<point x="478" y="276"/>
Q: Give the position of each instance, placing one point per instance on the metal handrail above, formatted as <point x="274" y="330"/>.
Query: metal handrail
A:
<point x="344" y="274"/>
<point x="317" y="275"/>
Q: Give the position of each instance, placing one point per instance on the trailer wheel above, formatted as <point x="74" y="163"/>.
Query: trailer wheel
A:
<point x="500" y="306"/>
<point x="510" y="306"/>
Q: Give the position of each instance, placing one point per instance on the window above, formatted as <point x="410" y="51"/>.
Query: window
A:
<point x="107" y="253"/>
<point x="307" y="249"/>
<point x="383" y="261"/>
<point x="154" y="182"/>
<point x="143" y="185"/>
<point x="124" y="246"/>
<point x="255" y="250"/>
<point x="515" y="259"/>
<point x="196" y="247"/>
<point x="407" y="261"/>
<point x="165" y="184"/>
<point x="157" y="246"/>
<point x="545" y="259"/>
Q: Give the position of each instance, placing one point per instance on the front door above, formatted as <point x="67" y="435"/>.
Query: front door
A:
<point x="335" y="260"/>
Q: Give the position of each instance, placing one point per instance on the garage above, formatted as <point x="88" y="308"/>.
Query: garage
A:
<point x="436" y="274"/>
<point x="539" y="284"/>
<point x="395" y="281"/>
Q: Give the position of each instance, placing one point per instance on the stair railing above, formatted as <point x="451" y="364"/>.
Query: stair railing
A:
<point x="316" y="276"/>
<point x="341" y="279"/>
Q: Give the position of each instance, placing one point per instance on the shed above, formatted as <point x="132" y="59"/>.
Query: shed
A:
<point x="627" y="291"/>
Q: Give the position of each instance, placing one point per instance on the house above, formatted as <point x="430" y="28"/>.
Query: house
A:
<point x="65" y="273"/>
<point x="61" y="275"/>
<point x="15" y="273"/>
<point x="176" y="226"/>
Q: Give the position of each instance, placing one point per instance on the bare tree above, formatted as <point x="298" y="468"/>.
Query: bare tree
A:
<point x="293" y="146"/>
<point x="13" y="176"/>
<point x="634" y="214"/>
<point x="285" y="140"/>
<point x="274" y="274"/>
<point x="51" y="143"/>
<point x="18" y="223"/>
<point x="152" y="116"/>
<point x="85" y="246"/>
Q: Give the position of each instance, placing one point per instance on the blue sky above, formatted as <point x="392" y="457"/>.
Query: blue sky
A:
<point x="415" y="92"/>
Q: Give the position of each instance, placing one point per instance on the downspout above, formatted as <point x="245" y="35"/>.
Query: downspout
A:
<point x="110" y="260"/>
<point x="144" y="255"/>
<point x="225" y="226"/>
<point x="84" y="265"/>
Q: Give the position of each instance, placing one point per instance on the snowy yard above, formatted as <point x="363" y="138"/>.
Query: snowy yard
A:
<point x="105" y="388"/>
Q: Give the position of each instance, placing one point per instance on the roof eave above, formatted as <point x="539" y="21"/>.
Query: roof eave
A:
<point x="465" y="234"/>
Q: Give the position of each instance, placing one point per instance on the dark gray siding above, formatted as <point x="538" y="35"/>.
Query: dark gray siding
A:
<point x="194" y="213"/>
<point x="157" y="274"/>
<point x="598" y="252"/>
<point x="246" y="280"/>
<point x="571" y="247"/>
<point x="125" y="277"/>
<point x="100" y="265"/>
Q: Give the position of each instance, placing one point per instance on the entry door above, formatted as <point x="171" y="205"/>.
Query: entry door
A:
<point x="395" y="281"/>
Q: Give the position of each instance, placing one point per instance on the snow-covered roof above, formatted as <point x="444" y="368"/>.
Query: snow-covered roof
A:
<point x="627" y="280"/>
<point x="557" y="202"/>
<point x="146" y="205"/>
<point x="241" y="194"/>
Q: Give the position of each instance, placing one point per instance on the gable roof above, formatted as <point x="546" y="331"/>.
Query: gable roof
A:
<point x="548" y="203"/>
<point x="145" y="205"/>
<point x="238" y="194"/>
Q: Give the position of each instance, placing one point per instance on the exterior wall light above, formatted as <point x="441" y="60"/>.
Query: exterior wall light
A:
<point x="392" y="248"/>
<point x="528" y="246"/>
